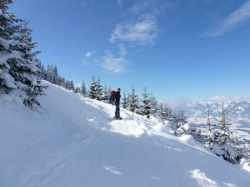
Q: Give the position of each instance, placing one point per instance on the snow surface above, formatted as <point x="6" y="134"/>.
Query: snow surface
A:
<point x="71" y="142"/>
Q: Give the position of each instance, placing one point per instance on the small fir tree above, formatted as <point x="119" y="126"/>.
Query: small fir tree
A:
<point x="124" y="99"/>
<point x="83" y="88"/>
<point x="132" y="103"/>
<point x="92" y="89"/>
<point x="153" y="105"/>
<point x="210" y="127"/>
<point x="99" y="94"/>
<point x="105" y="96"/>
<point x="146" y="109"/>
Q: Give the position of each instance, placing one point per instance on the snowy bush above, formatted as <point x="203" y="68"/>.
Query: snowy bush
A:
<point x="179" y="123"/>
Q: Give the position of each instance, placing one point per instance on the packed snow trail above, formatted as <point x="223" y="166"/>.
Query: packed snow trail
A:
<point x="70" y="141"/>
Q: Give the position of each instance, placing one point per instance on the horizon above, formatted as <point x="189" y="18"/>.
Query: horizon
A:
<point x="194" y="50"/>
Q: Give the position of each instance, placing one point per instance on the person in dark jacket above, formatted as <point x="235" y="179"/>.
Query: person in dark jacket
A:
<point x="117" y="104"/>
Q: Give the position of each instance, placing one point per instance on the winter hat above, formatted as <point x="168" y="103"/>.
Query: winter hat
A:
<point x="118" y="89"/>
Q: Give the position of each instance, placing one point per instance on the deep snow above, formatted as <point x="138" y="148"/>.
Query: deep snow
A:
<point x="71" y="142"/>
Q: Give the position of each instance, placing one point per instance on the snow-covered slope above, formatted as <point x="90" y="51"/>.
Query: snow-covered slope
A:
<point x="71" y="141"/>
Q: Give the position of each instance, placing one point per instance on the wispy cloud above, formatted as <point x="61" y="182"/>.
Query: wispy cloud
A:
<point x="136" y="32"/>
<point x="115" y="64"/>
<point x="88" y="57"/>
<point x="234" y="20"/>
<point x="140" y="27"/>
<point x="88" y="54"/>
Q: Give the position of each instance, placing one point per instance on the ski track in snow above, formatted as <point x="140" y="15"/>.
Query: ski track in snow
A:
<point x="129" y="152"/>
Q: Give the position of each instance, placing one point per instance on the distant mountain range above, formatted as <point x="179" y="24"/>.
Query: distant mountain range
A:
<point x="237" y="112"/>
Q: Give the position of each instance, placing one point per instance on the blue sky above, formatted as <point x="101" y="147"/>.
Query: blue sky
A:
<point x="194" y="49"/>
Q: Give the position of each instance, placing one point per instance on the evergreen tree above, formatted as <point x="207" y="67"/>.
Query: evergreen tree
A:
<point x="41" y="74"/>
<point x="92" y="88"/>
<point x="132" y="103"/>
<point x="61" y="81"/>
<point x="29" y="72"/>
<point x="67" y="85"/>
<point x="83" y="88"/>
<point x="164" y="112"/>
<point x="220" y="141"/>
<point x="55" y="76"/>
<point x="124" y="99"/>
<point x="105" y="94"/>
<point x="19" y="65"/>
<point x="168" y="112"/>
<point x="77" y="90"/>
<point x="146" y="109"/>
<point x="71" y="86"/>
<point x="161" y="113"/>
<point x="8" y="29"/>
<point x="210" y="127"/>
<point x="222" y="136"/>
<point x="178" y="121"/>
<point x="153" y="105"/>
<point x="99" y="89"/>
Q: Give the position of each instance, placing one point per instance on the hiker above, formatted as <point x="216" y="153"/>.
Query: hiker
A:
<point x="112" y="97"/>
<point x="117" y="104"/>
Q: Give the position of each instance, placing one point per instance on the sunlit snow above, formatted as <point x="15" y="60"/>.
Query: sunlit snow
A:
<point x="72" y="141"/>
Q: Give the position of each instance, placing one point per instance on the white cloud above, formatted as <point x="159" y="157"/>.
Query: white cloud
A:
<point x="136" y="32"/>
<point x="141" y="27"/>
<point x="233" y="20"/>
<point x="115" y="64"/>
<point x="88" y="54"/>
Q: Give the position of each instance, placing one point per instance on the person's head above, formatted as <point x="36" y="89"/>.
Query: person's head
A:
<point x="118" y="89"/>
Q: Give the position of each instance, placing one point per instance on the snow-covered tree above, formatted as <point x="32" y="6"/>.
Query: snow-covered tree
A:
<point x="92" y="88"/>
<point x="146" y="109"/>
<point x="210" y="127"/>
<point x="164" y="112"/>
<point x="67" y="84"/>
<point x="71" y="85"/>
<point x="29" y="72"/>
<point x="124" y="99"/>
<point x="168" y="112"/>
<point x="18" y="63"/>
<point x="161" y="112"/>
<point x="61" y="81"/>
<point x="132" y="103"/>
<point x="153" y="104"/>
<point x="77" y="90"/>
<point x="8" y="55"/>
<point x="99" y="89"/>
<point x="106" y="94"/>
<point x="178" y="122"/>
<point x="220" y="142"/>
<point x="83" y="88"/>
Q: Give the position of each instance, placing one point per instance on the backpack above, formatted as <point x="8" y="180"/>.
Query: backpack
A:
<point x="112" y="95"/>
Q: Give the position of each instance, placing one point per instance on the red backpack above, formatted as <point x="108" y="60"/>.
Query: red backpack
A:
<point x="113" y="94"/>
